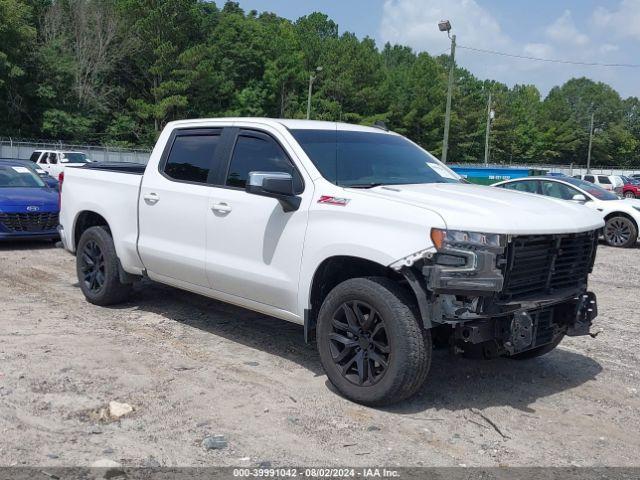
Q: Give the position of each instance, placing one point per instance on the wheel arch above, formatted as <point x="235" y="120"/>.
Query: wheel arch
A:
<point x="85" y="220"/>
<point x="335" y="270"/>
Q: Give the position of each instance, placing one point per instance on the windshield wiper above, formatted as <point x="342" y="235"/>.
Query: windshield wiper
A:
<point x="363" y="185"/>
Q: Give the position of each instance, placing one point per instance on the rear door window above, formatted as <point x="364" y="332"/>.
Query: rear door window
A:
<point x="590" y="178"/>
<point x="528" y="186"/>
<point x="604" y="180"/>
<point x="192" y="156"/>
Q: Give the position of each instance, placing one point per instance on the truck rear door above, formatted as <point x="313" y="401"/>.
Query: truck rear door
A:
<point x="174" y="205"/>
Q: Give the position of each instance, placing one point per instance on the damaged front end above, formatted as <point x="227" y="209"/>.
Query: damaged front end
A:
<point x="503" y="295"/>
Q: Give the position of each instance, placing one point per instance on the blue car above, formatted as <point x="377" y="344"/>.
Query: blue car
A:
<point x="29" y="209"/>
<point x="44" y="176"/>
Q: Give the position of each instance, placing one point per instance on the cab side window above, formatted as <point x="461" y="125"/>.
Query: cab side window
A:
<point x="257" y="152"/>
<point x="558" y="190"/>
<point x="589" y="178"/>
<point x="53" y="158"/>
<point x="34" y="157"/>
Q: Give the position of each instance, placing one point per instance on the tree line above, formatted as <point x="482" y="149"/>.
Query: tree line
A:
<point x="114" y="72"/>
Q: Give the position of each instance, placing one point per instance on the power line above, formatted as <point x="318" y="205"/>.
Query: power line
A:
<point x="551" y="60"/>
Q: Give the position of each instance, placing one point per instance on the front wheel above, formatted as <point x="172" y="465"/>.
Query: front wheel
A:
<point x="629" y="194"/>
<point x="620" y="232"/>
<point x="370" y="342"/>
<point x="97" y="268"/>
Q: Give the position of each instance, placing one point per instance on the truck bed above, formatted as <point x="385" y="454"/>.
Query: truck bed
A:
<point x="111" y="191"/>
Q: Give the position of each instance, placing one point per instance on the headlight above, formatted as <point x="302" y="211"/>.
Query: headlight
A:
<point x="443" y="239"/>
<point x="465" y="261"/>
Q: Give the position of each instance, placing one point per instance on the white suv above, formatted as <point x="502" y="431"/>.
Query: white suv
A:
<point x="612" y="183"/>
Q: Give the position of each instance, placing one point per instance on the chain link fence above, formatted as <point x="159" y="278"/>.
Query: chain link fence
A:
<point x="22" y="149"/>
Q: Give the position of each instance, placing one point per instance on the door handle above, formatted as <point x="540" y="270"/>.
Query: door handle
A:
<point x="151" y="198"/>
<point x="221" y="207"/>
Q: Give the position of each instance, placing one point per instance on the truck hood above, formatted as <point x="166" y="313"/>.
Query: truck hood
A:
<point x="41" y="197"/>
<point x="493" y="210"/>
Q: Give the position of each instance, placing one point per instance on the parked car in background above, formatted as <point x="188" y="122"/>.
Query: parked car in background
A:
<point x="631" y="187"/>
<point x="28" y="207"/>
<point x="55" y="161"/>
<point x="44" y="176"/>
<point x="556" y="174"/>
<point x="636" y="176"/>
<point x="622" y="217"/>
<point x="612" y="183"/>
<point x="356" y="233"/>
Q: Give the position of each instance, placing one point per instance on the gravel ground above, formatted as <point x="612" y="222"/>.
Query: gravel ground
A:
<point x="193" y="367"/>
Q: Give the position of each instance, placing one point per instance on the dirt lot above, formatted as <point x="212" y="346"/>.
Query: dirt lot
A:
<point x="193" y="367"/>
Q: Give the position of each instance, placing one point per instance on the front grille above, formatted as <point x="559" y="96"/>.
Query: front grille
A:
<point x="545" y="264"/>
<point x="29" y="222"/>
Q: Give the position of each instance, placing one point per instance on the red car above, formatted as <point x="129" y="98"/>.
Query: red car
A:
<point x="631" y="187"/>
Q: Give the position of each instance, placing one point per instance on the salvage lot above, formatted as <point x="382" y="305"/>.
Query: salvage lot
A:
<point x="193" y="367"/>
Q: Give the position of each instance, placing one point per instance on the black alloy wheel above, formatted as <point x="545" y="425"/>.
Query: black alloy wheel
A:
<point x="98" y="268"/>
<point x="371" y="342"/>
<point x="92" y="266"/>
<point x="358" y="343"/>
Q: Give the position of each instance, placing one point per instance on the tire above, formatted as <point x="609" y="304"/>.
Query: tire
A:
<point x="538" y="351"/>
<point x="97" y="268"/>
<point x="620" y="231"/>
<point x="395" y="339"/>
<point x="629" y="194"/>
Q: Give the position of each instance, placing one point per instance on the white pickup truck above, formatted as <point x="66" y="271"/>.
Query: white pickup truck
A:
<point x="357" y="233"/>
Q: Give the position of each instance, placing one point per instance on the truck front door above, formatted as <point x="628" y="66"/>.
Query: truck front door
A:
<point x="254" y="248"/>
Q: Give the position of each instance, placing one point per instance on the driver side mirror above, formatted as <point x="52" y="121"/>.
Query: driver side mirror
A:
<point x="578" y="197"/>
<point x="278" y="185"/>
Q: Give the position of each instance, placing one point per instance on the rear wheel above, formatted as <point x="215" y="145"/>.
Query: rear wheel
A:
<point x="97" y="268"/>
<point x="370" y="342"/>
<point x="620" y="232"/>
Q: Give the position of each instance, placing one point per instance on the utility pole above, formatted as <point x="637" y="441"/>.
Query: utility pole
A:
<point x="312" y="78"/>
<point x="590" y="145"/>
<point x="447" y="115"/>
<point x="488" y="132"/>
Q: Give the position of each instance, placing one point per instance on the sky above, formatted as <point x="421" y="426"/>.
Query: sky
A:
<point x="593" y="31"/>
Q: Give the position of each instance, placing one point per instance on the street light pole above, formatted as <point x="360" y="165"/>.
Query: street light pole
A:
<point x="312" y="78"/>
<point x="590" y="144"/>
<point x="486" y="138"/>
<point x="445" y="26"/>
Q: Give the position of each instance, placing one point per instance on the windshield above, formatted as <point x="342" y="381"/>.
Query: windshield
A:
<point x="72" y="157"/>
<point x="631" y="181"/>
<point x="12" y="177"/>
<point x="592" y="189"/>
<point x="368" y="159"/>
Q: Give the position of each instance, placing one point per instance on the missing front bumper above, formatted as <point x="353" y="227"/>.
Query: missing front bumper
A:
<point x="527" y="329"/>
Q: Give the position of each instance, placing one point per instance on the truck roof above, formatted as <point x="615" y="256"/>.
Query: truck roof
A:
<point x="292" y="124"/>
